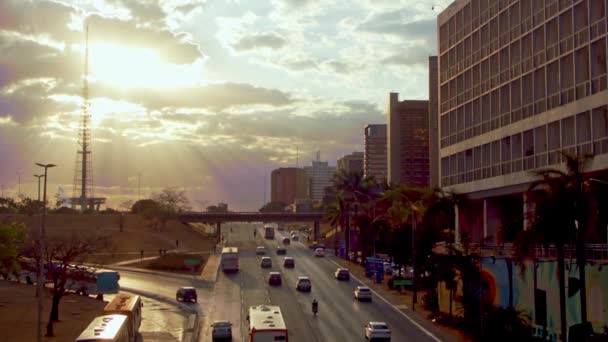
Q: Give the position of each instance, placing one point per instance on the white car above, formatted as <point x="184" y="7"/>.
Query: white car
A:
<point x="320" y="252"/>
<point x="363" y="293"/>
<point x="221" y="330"/>
<point x="377" y="331"/>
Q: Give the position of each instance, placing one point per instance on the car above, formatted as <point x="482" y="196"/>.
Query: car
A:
<point x="320" y="252"/>
<point x="260" y="250"/>
<point x="289" y="262"/>
<point x="286" y="241"/>
<point x="377" y="331"/>
<point x="304" y="228"/>
<point x="316" y="245"/>
<point x="295" y="237"/>
<point x="281" y="251"/>
<point x="221" y="330"/>
<point x="303" y="284"/>
<point x="342" y="274"/>
<point x="274" y="278"/>
<point x="363" y="293"/>
<point x="266" y="262"/>
<point x="186" y="294"/>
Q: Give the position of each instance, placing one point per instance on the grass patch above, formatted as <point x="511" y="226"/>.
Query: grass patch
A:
<point x="175" y="262"/>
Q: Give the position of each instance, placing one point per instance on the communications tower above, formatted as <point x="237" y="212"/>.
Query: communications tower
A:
<point x="82" y="195"/>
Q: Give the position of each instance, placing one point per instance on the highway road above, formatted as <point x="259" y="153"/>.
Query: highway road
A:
<point x="340" y="318"/>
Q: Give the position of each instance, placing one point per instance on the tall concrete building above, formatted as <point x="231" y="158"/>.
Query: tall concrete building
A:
<point x="288" y="184"/>
<point x="375" y="152"/>
<point x="351" y="162"/>
<point x="408" y="141"/>
<point x="433" y="122"/>
<point x="520" y="81"/>
<point x="320" y="176"/>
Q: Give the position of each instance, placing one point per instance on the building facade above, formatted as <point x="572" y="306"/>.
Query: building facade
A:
<point x="288" y="184"/>
<point x="408" y="141"/>
<point x="375" y="152"/>
<point x="433" y="123"/>
<point x="320" y="176"/>
<point x="519" y="83"/>
<point x="351" y="162"/>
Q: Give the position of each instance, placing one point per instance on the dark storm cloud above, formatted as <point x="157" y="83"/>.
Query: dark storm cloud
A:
<point x="268" y="40"/>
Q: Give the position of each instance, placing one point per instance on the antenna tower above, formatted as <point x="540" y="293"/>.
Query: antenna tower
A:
<point x="83" y="175"/>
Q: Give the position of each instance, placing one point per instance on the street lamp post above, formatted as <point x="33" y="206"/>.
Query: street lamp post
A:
<point x="38" y="176"/>
<point x="40" y="284"/>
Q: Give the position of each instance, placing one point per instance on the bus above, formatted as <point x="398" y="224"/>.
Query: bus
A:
<point x="266" y="324"/>
<point x="108" y="328"/>
<point x="129" y="305"/>
<point x="230" y="259"/>
<point x="92" y="282"/>
<point x="269" y="232"/>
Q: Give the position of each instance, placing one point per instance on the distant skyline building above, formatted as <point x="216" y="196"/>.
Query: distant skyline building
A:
<point x="320" y="176"/>
<point x="408" y="141"/>
<point x="351" y="162"/>
<point x="375" y="151"/>
<point x="288" y="184"/>
<point x="433" y="122"/>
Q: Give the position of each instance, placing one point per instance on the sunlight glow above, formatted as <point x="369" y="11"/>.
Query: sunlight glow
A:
<point x="136" y="67"/>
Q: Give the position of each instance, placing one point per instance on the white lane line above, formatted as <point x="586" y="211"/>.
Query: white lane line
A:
<point x="423" y="329"/>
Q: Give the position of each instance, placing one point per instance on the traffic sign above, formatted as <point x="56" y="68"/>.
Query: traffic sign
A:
<point x="404" y="282"/>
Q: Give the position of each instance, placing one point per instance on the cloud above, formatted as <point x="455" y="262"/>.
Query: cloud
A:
<point x="299" y="64"/>
<point x="409" y="57"/>
<point x="337" y="66"/>
<point x="268" y="40"/>
<point x="394" y="23"/>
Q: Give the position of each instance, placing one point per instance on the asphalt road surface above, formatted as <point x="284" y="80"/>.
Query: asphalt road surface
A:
<point x="340" y="317"/>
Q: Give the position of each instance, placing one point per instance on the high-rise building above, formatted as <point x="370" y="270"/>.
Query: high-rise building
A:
<point x="375" y="152"/>
<point x="433" y="122"/>
<point x="320" y="176"/>
<point x="520" y="82"/>
<point x="351" y="162"/>
<point x="288" y="184"/>
<point x="408" y="141"/>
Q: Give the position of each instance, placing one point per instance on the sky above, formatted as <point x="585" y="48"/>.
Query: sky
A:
<point x="204" y="96"/>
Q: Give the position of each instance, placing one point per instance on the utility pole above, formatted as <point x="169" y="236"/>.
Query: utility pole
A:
<point x="18" y="183"/>
<point x="40" y="282"/>
<point x="139" y="186"/>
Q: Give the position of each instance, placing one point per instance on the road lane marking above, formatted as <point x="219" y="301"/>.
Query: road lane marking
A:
<point x="423" y="329"/>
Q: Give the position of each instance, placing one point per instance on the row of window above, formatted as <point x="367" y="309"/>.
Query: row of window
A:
<point x="584" y="133"/>
<point x="556" y="84"/>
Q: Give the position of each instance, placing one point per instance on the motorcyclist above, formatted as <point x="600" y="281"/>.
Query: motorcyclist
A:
<point x="315" y="306"/>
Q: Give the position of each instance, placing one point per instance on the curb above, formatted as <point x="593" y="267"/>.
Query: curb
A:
<point x="158" y="273"/>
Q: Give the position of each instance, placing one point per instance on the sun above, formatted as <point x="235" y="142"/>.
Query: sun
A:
<point x="128" y="67"/>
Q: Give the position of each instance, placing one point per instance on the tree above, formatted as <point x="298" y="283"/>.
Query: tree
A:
<point x="8" y="205"/>
<point x="127" y="205"/>
<point x="560" y="207"/>
<point x="61" y="254"/>
<point x="163" y="206"/>
<point x="143" y="206"/>
<point x="273" y="207"/>
<point x="29" y="206"/>
<point x="12" y="236"/>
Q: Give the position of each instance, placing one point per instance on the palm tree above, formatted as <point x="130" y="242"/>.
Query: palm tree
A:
<point x="560" y="207"/>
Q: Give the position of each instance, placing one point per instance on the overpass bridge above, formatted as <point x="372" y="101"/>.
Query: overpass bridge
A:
<point x="219" y="218"/>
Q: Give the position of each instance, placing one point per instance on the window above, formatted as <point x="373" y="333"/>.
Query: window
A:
<point x="600" y="130"/>
<point x="540" y="145"/>
<point x="554" y="145"/>
<point x="516" y="164"/>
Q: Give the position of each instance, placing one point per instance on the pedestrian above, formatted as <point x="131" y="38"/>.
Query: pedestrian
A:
<point x="160" y="251"/>
<point x="141" y="254"/>
<point x="176" y="243"/>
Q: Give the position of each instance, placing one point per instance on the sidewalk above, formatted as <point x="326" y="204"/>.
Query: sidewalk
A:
<point x="402" y="302"/>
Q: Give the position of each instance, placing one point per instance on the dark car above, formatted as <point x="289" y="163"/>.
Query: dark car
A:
<point x="186" y="294"/>
<point x="281" y="251"/>
<point x="342" y="274"/>
<point x="316" y="245"/>
<point x="286" y="241"/>
<point x="288" y="262"/>
<point x="274" y="278"/>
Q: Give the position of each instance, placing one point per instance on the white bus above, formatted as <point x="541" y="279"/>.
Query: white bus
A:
<point x="266" y="324"/>
<point x="230" y="259"/>
<point x="105" y="329"/>
<point x="129" y="305"/>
